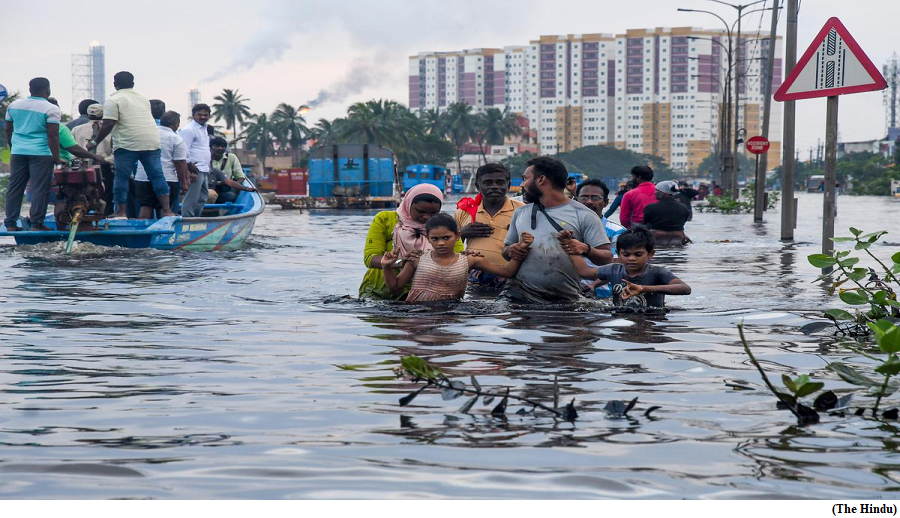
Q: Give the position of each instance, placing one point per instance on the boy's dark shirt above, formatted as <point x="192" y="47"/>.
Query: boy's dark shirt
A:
<point x="651" y="276"/>
<point x="667" y="214"/>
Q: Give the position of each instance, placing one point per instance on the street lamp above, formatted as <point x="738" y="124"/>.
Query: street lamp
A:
<point x="734" y="43"/>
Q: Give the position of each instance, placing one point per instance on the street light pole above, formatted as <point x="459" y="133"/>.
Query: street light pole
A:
<point x="763" y="166"/>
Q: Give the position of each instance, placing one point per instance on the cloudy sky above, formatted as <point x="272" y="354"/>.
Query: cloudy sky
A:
<point x="344" y="51"/>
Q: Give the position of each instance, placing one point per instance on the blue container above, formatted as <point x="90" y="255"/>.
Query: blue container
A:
<point x="424" y="173"/>
<point x="351" y="170"/>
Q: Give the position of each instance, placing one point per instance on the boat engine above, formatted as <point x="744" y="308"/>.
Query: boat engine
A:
<point x="79" y="194"/>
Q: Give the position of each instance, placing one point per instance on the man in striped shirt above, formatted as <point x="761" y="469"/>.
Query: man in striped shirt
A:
<point x="32" y="132"/>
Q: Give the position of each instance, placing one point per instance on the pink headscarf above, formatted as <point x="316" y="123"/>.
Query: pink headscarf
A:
<point x="409" y="234"/>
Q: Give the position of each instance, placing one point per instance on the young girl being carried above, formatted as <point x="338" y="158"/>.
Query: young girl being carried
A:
<point x="441" y="273"/>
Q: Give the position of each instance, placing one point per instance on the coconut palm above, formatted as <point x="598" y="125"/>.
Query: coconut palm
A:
<point x="434" y="122"/>
<point x="387" y="123"/>
<point x="461" y="127"/>
<point x="292" y="128"/>
<point x="326" y="132"/>
<point x="494" y="127"/>
<point x="232" y="107"/>
<point x="261" y="135"/>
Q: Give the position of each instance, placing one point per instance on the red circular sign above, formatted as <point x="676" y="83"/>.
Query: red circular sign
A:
<point x="757" y="145"/>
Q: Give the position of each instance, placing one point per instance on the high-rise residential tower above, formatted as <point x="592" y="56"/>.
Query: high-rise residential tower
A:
<point x="656" y="91"/>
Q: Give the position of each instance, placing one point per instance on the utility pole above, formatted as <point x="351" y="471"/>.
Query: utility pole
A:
<point x="788" y="203"/>
<point x="763" y="166"/>
<point x="737" y="107"/>
<point x="728" y="167"/>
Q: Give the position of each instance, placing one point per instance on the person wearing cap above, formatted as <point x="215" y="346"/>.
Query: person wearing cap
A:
<point x="635" y="200"/>
<point x="667" y="217"/>
<point x="83" y="117"/>
<point x="83" y="135"/>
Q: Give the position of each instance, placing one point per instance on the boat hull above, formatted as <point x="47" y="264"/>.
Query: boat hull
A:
<point x="228" y="232"/>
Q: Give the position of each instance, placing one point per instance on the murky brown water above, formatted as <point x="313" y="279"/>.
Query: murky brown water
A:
<point x="142" y="374"/>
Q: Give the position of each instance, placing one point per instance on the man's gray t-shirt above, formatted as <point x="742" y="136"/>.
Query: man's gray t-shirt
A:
<point x="547" y="274"/>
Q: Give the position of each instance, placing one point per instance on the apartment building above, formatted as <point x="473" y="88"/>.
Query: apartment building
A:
<point x="656" y="91"/>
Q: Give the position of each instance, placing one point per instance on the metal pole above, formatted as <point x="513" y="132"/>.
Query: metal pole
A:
<point x="737" y="107"/>
<point x="788" y="205"/>
<point x="728" y="163"/>
<point x="762" y="163"/>
<point x="831" y="127"/>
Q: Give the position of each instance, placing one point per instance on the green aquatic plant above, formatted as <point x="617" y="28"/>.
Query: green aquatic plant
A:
<point x="744" y="204"/>
<point x="857" y="286"/>
<point x="419" y="370"/>
<point x="878" y="316"/>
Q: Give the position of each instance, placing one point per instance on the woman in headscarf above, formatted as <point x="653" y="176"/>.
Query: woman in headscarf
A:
<point x="403" y="230"/>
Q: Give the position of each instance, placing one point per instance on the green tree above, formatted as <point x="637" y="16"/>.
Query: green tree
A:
<point x="607" y="161"/>
<point x="434" y="122"/>
<point x="461" y="127"/>
<point x="493" y="127"/>
<point x="291" y="128"/>
<point x="326" y="132"/>
<point x="232" y="107"/>
<point x="261" y="135"/>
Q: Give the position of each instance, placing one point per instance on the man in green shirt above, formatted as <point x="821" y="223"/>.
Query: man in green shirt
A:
<point x="228" y="164"/>
<point x="68" y="146"/>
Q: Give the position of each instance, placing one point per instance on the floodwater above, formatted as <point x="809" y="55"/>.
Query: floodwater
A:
<point x="250" y="374"/>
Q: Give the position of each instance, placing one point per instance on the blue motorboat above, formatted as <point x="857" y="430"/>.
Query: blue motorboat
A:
<point x="224" y="226"/>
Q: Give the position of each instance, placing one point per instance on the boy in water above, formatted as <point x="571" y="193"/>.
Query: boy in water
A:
<point x="635" y="283"/>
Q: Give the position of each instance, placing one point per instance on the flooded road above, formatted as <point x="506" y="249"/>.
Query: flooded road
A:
<point x="249" y="374"/>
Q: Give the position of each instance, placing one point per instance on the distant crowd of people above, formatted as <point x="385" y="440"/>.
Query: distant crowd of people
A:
<point x="149" y="164"/>
<point x="552" y="246"/>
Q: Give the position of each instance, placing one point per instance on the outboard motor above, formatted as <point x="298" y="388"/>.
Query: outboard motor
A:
<point x="79" y="196"/>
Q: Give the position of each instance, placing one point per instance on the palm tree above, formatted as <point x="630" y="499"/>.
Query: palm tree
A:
<point x="461" y="126"/>
<point x="233" y="108"/>
<point x="326" y="132"/>
<point x="434" y="122"/>
<point x="291" y="127"/>
<point x="494" y="127"/>
<point x="261" y="136"/>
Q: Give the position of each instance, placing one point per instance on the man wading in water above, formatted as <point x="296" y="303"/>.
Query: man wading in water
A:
<point x="547" y="274"/>
<point x="484" y="221"/>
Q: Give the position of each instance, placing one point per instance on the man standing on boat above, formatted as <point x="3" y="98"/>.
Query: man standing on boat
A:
<point x="174" y="164"/>
<point x="32" y="133"/>
<point x="135" y="138"/>
<point x="547" y="274"/>
<point x="484" y="221"/>
<point x="196" y="138"/>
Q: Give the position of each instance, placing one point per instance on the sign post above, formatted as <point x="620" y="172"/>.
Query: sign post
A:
<point x="833" y="65"/>
<point x="759" y="145"/>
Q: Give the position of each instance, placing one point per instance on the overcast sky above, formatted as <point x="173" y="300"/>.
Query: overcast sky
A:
<point x="345" y="51"/>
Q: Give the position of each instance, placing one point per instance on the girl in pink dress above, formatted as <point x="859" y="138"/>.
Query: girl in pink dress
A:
<point x="440" y="273"/>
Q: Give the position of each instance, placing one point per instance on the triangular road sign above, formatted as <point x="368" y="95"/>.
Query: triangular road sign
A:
<point x="833" y="65"/>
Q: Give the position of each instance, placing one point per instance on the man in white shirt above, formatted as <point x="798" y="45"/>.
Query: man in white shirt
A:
<point x="173" y="155"/>
<point x="136" y="139"/>
<point x="196" y="139"/>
